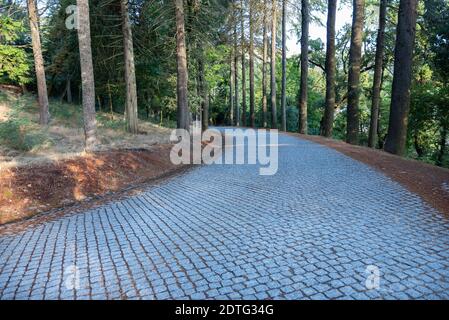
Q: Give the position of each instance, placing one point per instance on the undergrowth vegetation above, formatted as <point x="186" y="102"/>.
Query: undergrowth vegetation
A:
<point x="20" y="131"/>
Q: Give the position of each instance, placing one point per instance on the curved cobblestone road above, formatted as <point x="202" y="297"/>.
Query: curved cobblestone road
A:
<point x="318" y="229"/>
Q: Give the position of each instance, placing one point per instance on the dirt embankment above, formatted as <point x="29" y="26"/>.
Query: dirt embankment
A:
<point x="431" y="183"/>
<point x="29" y="190"/>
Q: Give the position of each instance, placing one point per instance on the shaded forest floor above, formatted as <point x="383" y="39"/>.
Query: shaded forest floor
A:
<point x="431" y="183"/>
<point x="43" y="168"/>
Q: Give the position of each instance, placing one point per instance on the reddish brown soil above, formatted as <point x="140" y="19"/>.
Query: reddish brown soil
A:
<point x="420" y="178"/>
<point x="27" y="191"/>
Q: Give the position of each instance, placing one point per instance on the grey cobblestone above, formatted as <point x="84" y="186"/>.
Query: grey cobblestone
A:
<point x="224" y="232"/>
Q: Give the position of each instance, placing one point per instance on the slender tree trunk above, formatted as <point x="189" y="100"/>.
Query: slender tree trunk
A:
<point x="419" y="149"/>
<point x="38" y="63"/>
<point x="274" y="122"/>
<point x="69" y="90"/>
<point x="378" y="71"/>
<point x="147" y="105"/>
<point x="264" y="66"/>
<point x="443" y="141"/>
<point x="380" y="140"/>
<point x="400" y="96"/>
<point x="99" y="102"/>
<point x="355" y="59"/>
<point x="111" y="107"/>
<point x="132" y="120"/>
<point x="231" y="79"/>
<point x="252" y="107"/>
<point x="205" y="110"/>
<point x="203" y="91"/>
<point x="87" y="75"/>
<point x="303" y="92"/>
<point x="242" y="23"/>
<point x="182" y="79"/>
<point x="236" y="76"/>
<point x="284" y="66"/>
<point x="231" y="88"/>
<point x="330" y="69"/>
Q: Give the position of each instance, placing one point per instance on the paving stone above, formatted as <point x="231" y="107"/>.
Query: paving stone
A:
<point x="312" y="231"/>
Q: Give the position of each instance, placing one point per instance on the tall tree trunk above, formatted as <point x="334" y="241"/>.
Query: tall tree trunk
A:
<point x="203" y="90"/>
<point x="232" y="78"/>
<point x="419" y="149"/>
<point x="111" y="107"/>
<point x="252" y="107"/>
<point x="274" y="122"/>
<point x="264" y="66"/>
<point x="242" y="23"/>
<point x="205" y="110"/>
<point x="378" y="71"/>
<point x="182" y="79"/>
<point x="284" y="66"/>
<point x="303" y="92"/>
<point x="400" y="95"/>
<point x="69" y="90"/>
<point x="132" y="120"/>
<point x="87" y="75"/>
<point x="38" y="63"/>
<point x="99" y="102"/>
<point x="380" y="140"/>
<point x="147" y="105"/>
<point x="355" y="59"/>
<point x="443" y="141"/>
<point x="236" y="76"/>
<point x="330" y="69"/>
<point x="231" y="89"/>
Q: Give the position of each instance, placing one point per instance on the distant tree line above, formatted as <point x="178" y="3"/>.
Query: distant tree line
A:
<point x="380" y="81"/>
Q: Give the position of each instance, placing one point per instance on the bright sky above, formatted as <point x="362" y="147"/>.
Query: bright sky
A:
<point x="344" y="15"/>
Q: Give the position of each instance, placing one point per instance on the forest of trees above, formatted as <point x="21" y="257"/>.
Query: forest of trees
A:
<point x="381" y="81"/>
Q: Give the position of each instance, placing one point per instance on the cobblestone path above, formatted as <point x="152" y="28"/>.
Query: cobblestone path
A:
<point x="324" y="227"/>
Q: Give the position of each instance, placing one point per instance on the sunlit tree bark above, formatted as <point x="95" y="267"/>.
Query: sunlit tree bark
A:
<point x="182" y="78"/>
<point x="38" y="63"/>
<point x="284" y="67"/>
<point x="303" y="91"/>
<point x="236" y="76"/>
<point x="264" y="66"/>
<point x="252" y="116"/>
<point x="87" y="75"/>
<point x="355" y="59"/>
<point x="330" y="69"/>
<point x="274" y="122"/>
<point x="132" y="120"/>
<point x="243" y="56"/>
<point x="378" y="71"/>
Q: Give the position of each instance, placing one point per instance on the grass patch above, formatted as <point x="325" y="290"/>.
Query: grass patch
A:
<point x="117" y="123"/>
<point x="20" y="129"/>
<point x="19" y="134"/>
<point x="68" y="115"/>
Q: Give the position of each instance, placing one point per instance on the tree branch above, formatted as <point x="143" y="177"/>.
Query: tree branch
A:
<point x="367" y="68"/>
<point x="316" y="64"/>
